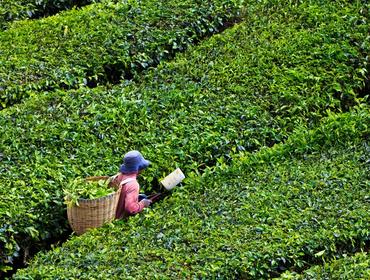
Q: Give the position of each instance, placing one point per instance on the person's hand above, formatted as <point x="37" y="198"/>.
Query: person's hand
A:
<point x="146" y="202"/>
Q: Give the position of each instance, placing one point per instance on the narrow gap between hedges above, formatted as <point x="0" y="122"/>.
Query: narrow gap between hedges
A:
<point x="366" y="90"/>
<point x="117" y="73"/>
<point x="43" y="10"/>
<point x="347" y="102"/>
<point x="29" y="252"/>
<point x="344" y="249"/>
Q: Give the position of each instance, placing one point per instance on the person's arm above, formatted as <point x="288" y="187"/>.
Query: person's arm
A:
<point x="132" y="203"/>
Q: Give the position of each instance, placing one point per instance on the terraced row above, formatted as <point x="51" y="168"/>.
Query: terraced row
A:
<point x="247" y="88"/>
<point x="102" y="43"/>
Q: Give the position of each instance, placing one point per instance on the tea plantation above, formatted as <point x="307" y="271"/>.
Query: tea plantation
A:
<point x="268" y="120"/>
<point x="281" y="208"/>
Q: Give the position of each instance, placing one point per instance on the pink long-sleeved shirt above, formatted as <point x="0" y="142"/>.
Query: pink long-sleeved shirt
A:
<point x="128" y="203"/>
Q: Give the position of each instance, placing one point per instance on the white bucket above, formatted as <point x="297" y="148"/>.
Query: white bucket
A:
<point x="170" y="181"/>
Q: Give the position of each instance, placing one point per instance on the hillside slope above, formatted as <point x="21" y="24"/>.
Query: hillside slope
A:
<point x="286" y="66"/>
<point x="286" y="207"/>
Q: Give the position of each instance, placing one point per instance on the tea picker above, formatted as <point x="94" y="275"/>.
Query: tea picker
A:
<point x="125" y="201"/>
<point x="130" y="201"/>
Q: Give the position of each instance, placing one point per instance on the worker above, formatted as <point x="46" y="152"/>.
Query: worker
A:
<point x="130" y="202"/>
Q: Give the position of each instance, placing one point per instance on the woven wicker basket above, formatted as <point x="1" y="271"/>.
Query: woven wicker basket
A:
<point x="92" y="213"/>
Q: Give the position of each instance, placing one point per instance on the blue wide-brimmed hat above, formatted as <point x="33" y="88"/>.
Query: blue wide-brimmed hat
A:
<point x="133" y="161"/>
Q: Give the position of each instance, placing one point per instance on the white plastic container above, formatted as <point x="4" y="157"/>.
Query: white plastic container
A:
<point x="174" y="178"/>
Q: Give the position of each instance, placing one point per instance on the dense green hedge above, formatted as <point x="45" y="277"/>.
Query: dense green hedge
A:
<point x="102" y="43"/>
<point x="286" y="207"/>
<point x="25" y="9"/>
<point x="354" y="267"/>
<point x="244" y="89"/>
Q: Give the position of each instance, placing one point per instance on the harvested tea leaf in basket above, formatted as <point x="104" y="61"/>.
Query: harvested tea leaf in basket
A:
<point x="83" y="189"/>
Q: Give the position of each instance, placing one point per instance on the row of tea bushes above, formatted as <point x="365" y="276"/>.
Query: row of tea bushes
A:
<point x="219" y="98"/>
<point x="102" y="43"/>
<point x="25" y="9"/>
<point x="285" y="207"/>
<point x="354" y="267"/>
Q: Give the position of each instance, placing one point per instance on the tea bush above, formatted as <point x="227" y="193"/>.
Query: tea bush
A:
<point x="102" y="43"/>
<point x="285" y="207"/>
<point x="244" y="89"/>
<point x="346" y="268"/>
<point x="18" y="10"/>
